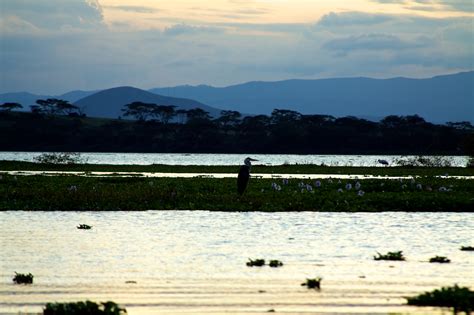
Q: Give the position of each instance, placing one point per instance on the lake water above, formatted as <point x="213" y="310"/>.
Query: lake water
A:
<point x="193" y="262"/>
<point x="226" y="159"/>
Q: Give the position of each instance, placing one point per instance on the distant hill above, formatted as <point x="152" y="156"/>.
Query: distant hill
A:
<point x="27" y="99"/>
<point x="109" y="103"/>
<point x="438" y="99"/>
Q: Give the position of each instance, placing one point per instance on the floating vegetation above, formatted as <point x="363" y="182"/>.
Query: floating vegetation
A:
<point x="256" y="262"/>
<point x="84" y="227"/>
<point x="217" y="194"/>
<point x="440" y="259"/>
<point x="458" y="298"/>
<point x="313" y="283"/>
<point x="21" y="278"/>
<point x="467" y="248"/>
<point x="390" y="256"/>
<point x="81" y="308"/>
<point x="275" y="263"/>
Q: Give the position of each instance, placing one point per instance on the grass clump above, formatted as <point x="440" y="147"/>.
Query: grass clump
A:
<point x="256" y="262"/>
<point x="21" y="278"/>
<point x="81" y="308"/>
<point x="458" y="298"/>
<point x="275" y="263"/>
<point x="439" y="259"/>
<point x="390" y="256"/>
<point x="467" y="248"/>
<point x="84" y="227"/>
<point x="312" y="283"/>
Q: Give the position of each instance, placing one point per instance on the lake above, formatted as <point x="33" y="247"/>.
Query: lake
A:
<point x="226" y="159"/>
<point x="194" y="261"/>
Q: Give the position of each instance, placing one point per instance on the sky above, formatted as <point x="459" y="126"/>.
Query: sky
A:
<point x="54" y="46"/>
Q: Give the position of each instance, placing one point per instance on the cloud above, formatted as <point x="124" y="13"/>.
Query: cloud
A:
<point x="54" y="14"/>
<point x="133" y="8"/>
<point x="352" y="18"/>
<point x="184" y="29"/>
<point x="434" y="5"/>
<point x="373" y="42"/>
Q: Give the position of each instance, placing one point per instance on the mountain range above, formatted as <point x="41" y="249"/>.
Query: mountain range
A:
<point x="438" y="99"/>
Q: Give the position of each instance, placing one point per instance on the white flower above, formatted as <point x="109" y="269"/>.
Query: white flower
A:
<point x="340" y="190"/>
<point x="419" y="187"/>
<point x="442" y="188"/>
<point x="348" y="186"/>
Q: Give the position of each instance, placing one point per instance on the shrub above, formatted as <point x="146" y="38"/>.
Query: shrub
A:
<point x="467" y="248"/>
<point x="425" y="161"/>
<point x="390" y="256"/>
<point x="82" y="308"/>
<point x="313" y="283"/>
<point x="460" y="299"/>
<point x="21" y="278"/>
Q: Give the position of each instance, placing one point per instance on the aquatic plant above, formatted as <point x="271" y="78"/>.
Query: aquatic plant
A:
<point x="81" y="308"/>
<point x="390" y="256"/>
<point x="313" y="283"/>
<point x="60" y="158"/>
<point x="256" y="262"/>
<point x="459" y="298"/>
<point x="467" y="248"/>
<point x="21" y="278"/>
<point x="84" y="227"/>
<point x="439" y="259"/>
<point x="275" y="263"/>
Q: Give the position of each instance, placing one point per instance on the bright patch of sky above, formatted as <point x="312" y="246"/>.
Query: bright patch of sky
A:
<point x="53" y="46"/>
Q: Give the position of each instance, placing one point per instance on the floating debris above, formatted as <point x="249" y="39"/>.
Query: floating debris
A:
<point x="313" y="283"/>
<point x="275" y="263"/>
<point x="21" y="278"/>
<point x="84" y="227"/>
<point x="439" y="259"/>
<point x="256" y="262"/>
<point x="390" y="256"/>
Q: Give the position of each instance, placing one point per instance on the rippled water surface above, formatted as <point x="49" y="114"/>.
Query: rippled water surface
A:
<point x="225" y="159"/>
<point x="194" y="262"/>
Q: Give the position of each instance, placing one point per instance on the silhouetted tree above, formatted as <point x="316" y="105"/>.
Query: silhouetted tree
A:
<point x="182" y="115"/>
<point x="198" y="114"/>
<point x="8" y="107"/>
<point x="164" y="113"/>
<point x="229" y="118"/>
<point x="139" y="110"/>
<point x="53" y="106"/>
<point x="284" y="116"/>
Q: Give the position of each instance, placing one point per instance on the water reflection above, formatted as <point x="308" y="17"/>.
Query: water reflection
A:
<point x="181" y="256"/>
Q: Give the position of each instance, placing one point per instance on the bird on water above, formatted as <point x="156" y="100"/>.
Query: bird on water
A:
<point x="244" y="175"/>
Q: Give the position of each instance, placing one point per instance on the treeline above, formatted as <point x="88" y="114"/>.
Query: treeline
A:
<point x="53" y="125"/>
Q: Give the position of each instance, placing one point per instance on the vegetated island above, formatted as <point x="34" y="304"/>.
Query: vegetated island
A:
<point x="427" y="190"/>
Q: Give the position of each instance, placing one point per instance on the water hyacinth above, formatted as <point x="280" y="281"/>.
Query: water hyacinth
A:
<point x="357" y="186"/>
<point x="317" y="184"/>
<point x="442" y="189"/>
<point x="301" y="185"/>
<point x="276" y="187"/>
<point x="419" y="186"/>
<point x="340" y="190"/>
<point x="348" y="186"/>
<point x="284" y="181"/>
<point x="72" y="188"/>
<point x="360" y="193"/>
<point x="309" y="187"/>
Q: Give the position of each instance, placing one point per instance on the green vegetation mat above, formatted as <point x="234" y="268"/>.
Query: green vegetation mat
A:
<point x="280" y="169"/>
<point x="139" y="193"/>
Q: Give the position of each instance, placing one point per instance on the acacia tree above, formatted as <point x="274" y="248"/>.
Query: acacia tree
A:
<point x="139" y="110"/>
<point x="182" y="115"/>
<point x="8" y="107"/>
<point x="198" y="114"/>
<point x="53" y="106"/>
<point x="164" y="113"/>
<point x="229" y="118"/>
